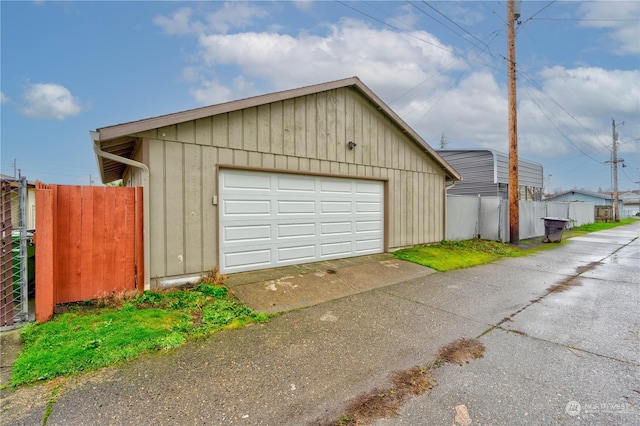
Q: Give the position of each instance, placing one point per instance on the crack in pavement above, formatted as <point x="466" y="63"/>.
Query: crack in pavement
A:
<point x="570" y="347"/>
<point x="563" y="285"/>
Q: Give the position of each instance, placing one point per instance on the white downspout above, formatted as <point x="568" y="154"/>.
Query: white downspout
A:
<point x="95" y="138"/>
<point x="446" y="205"/>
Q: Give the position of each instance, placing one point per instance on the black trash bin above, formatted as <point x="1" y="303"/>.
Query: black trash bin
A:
<point x="553" y="227"/>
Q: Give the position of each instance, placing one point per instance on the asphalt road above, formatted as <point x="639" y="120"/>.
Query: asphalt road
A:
<point x="571" y="356"/>
<point x="561" y="330"/>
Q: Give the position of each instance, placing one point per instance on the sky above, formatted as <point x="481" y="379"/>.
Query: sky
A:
<point x="68" y="68"/>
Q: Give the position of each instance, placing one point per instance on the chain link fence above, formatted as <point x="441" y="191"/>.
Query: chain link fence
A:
<point x="17" y="259"/>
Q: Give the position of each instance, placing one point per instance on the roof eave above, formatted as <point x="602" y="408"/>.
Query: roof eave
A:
<point x="131" y="128"/>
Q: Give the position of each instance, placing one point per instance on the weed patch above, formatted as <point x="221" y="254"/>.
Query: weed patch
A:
<point x="380" y="403"/>
<point x="563" y="285"/>
<point x="462" y="351"/>
<point x="405" y="384"/>
<point x="90" y="336"/>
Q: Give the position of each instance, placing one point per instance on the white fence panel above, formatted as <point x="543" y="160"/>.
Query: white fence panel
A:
<point x="487" y="218"/>
<point x="582" y="213"/>
<point x="557" y="210"/>
<point x="531" y="223"/>
<point x="492" y="216"/>
<point x="462" y="217"/>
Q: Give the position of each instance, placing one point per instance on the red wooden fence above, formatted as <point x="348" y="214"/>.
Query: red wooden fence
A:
<point x="88" y="244"/>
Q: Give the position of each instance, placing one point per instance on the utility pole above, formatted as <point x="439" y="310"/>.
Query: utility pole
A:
<point x="514" y="208"/>
<point x="443" y="141"/>
<point x="614" y="165"/>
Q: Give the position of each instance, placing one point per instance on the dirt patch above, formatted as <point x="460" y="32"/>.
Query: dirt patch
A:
<point x="531" y="243"/>
<point x="564" y="285"/>
<point x="10" y="347"/>
<point x="381" y="403"/>
<point x="461" y="351"/>
<point x="589" y="267"/>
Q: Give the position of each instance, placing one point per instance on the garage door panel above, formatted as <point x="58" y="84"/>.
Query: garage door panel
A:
<point x="332" y="228"/>
<point x="368" y="207"/>
<point x="367" y="246"/>
<point x="246" y="181"/>
<point x="368" y="188"/>
<point x="296" y="254"/>
<point x="368" y="226"/>
<point x="298" y="219"/>
<point x="242" y="259"/>
<point x="335" y="207"/>
<point x="293" y="183"/>
<point x="247" y="233"/>
<point x="343" y="248"/>
<point x="296" y="207"/>
<point x="335" y="186"/>
<point x="296" y="230"/>
<point x="246" y="208"/>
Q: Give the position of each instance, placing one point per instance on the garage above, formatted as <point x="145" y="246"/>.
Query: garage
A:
<point x="272" y="219"/>
<point x="308" y="174"/>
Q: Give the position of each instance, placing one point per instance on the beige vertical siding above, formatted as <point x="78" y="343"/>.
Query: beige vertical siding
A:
<point x="306" y="134"/>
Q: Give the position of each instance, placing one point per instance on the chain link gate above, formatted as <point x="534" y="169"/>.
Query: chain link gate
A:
<point x="16" y="261"/>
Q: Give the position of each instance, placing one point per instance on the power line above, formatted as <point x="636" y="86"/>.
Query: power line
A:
<point x="486" y="49"/>
<point x="454" y="23"/>
<point x="584" y="19"/>
<point x="494" y="35"/>
<point x="444" y="68"/>
<point x="558" y="128"/>
<point x="521" y="25"/>
<point x="541" y="89"/>
<point x="396" y="28"/>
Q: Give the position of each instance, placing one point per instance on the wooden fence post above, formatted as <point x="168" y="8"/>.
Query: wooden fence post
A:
<point x="44" y="254"/>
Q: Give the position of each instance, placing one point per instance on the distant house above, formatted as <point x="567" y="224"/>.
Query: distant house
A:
<point x="631" y="201"/>
<point x="599" y="200"/>
<point x="576" y="195"/>
<point x="486" y="172"/>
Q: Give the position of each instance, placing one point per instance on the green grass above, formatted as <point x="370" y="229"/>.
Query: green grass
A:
<point x="84" y="339"/>
<point x="450" y="255"/>
<point x="593" y="227"/>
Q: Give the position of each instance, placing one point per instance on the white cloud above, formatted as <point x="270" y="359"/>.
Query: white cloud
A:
<point x="430" y="87"/>
<point x="178" y="23"/>
<point x="4" y="99"/>
<point x="382" y="58"/>
<point x="229" y="16"/>
<point x="460" y="13"/>
<point x="620" y="18"/>
<point x="593" y="90"/>
<point x="579" y="102"/>
<point x="49" y="100"/>
<point x="471" y="113"/>
<point x="213" y="92"/>
<point x="304" y="5"/>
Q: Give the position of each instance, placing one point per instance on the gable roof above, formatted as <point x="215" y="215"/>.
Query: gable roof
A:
<point x="587" y="193"/>
<point x="119" y="139"/>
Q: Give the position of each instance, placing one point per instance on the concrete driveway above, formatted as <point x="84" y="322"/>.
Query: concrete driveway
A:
<point x="561" y="330"/>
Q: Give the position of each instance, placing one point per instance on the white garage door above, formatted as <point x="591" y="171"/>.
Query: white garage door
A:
<point x="275" y="219"/>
